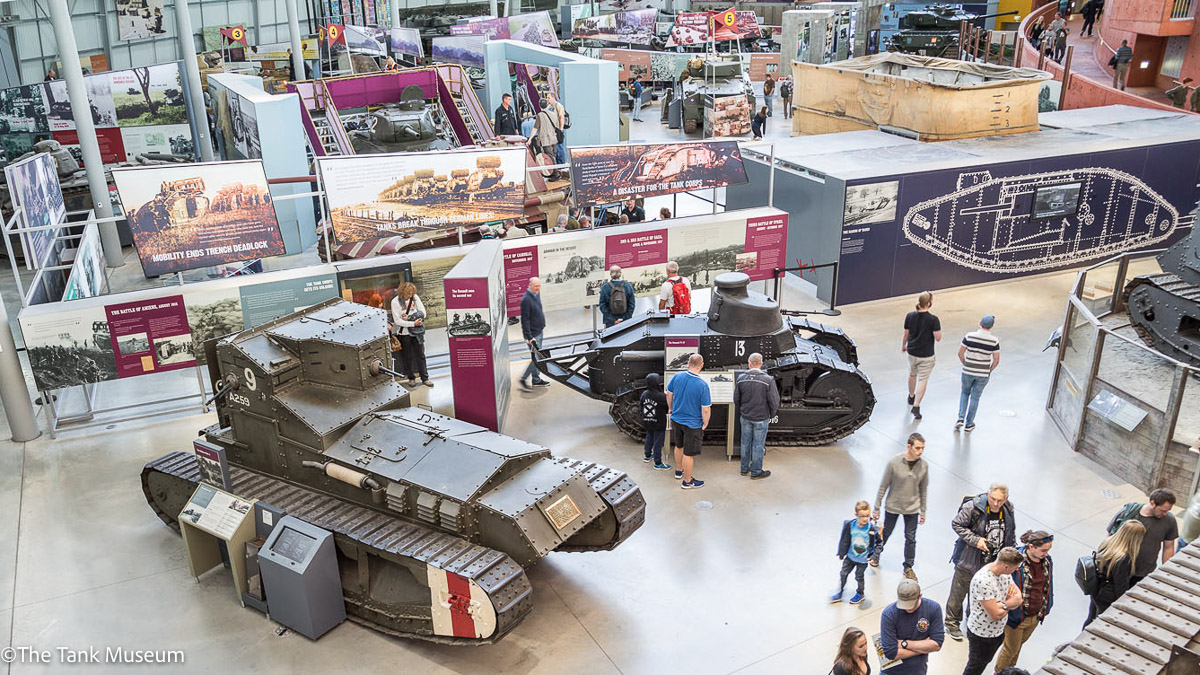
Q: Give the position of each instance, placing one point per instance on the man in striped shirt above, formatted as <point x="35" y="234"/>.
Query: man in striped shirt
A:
<point x="979" y="354"/>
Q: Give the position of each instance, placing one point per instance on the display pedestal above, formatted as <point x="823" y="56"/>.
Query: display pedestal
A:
<point x="210" y="517"/>
<point x="731" y="448"/>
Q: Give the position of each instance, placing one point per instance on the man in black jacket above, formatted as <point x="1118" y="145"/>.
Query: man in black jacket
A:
<point x="756" y="399"/>
<point x="984" y="525"/>
<point x="506" y="118"/>
<point x="533" y="322"/>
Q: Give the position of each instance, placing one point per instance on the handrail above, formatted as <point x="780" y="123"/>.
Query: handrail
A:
<point x="334" y="120"/>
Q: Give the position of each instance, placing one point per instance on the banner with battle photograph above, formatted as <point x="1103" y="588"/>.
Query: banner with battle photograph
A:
<point x="603" y="174"/>
<point x="149" y="96"/>
<point x="465" y="50"/>
<point x="407" y="192"/>
<point x="406" y="41"/>
<point x="89" y="276"/>
<point x="196" y="215"/>
<point x="69" y="347"/>
<point x="629" y="27"/>
<point x="33" y="186"/>
<point x="730" y="116"/>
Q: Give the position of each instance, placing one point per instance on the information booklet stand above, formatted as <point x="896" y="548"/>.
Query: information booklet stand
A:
<point x="210" y="517"/>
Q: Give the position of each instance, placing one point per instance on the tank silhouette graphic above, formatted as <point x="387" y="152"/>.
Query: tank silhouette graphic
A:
<point x="1040" y="221"/>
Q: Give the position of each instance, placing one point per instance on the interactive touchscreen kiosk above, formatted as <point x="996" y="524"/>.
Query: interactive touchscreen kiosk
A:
<point x="300" y="576"/>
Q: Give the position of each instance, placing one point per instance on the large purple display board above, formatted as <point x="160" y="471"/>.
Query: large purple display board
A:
<point x="906" y="233"/>
<point x="475" y="298"/>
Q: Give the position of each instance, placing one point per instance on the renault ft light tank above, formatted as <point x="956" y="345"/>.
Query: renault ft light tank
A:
<point x="705" y="80"/>
<point x="823" y="394"/>
<point x="933" y="31"/>
<point x="1165" y="308"/>
<point x="435" y="519"/>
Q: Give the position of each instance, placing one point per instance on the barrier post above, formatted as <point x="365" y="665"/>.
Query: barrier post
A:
<point x="191" y="71"/>
<point x="13" y="393"/>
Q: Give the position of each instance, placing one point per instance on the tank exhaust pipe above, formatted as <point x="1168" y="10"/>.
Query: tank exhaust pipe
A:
<point x="346" y="475"/>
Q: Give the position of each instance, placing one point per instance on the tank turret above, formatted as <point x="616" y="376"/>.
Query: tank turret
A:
<point x="313" y="422"/>
<point x="824" y="395"/>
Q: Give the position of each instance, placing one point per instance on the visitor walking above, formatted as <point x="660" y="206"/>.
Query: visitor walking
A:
<point x="1060" y="44"/>
<point x="905" y="482"/>
<point x="922" y="329"/>
<point x="562" y="122"/>
<point x="1034" y="577"/>
<point x="1089" y="18"/>
<point x="758" y="124"/>
<point x="1161" y="530"/>
<point x="616" y="298"/>
<point x="635" y="98"/>
<point x="1120" y="63"/>
<point x="910" y="629"/>
<point x="533" y="323"/>
<point x="979" y="355"/>
<point x="1036" y="33"/>
<point x="408" y="315"/>
<point x="756" y="398"/>
<point x="856" y="545"/>
<point x="506" y="118"/>
<point x="769" y="94"/>
<point x="852" y="654"/>
<point x="785" y="93"/>
<point x="654" y="420"/>
<point x="993" y="595"/>
<point x="1115" y="565"/>
<point x="676" y="293"/>
<point x="689" y="405"/>
<point x="546" y="133"/>
<point x="984" y="525"/>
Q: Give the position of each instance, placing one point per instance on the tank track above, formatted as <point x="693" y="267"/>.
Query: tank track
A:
<point x="1149" y="290"/>
<point x="623" y="497"/>
<point x="388" y="537"/>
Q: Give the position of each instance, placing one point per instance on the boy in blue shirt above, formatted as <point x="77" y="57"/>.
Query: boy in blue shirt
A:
<point x="858" y="541"/>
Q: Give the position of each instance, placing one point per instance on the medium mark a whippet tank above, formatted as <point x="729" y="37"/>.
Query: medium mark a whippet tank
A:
<point x="435" y="519"/>
<point x="823" y="394"/>
<point x="1165" y="308"/>
<point x="1040" y="221"/>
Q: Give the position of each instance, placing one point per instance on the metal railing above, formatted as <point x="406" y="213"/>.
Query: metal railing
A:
<point x="1181" y="10"/>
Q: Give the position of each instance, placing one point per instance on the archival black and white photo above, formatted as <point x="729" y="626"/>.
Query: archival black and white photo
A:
<point x="23" y="109"/>
<point x="705" y="251"/>
<point x="1052" y="201"/>
<point x="174" y="349"/>
<point x="571" y="271"/>
<point x="134" y="343"/>
<point x="140" y="19"/>
<point x="33" y="185"/>
<point x="212" y="314"/>
<point x="874" y="203"/>
<point x="69" y="348"/>
<point x="469" y="323"/>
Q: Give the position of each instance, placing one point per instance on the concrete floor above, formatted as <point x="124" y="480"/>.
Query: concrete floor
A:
<point x="731" y="578"/>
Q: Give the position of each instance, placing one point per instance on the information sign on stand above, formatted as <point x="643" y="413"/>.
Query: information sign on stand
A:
<point x="210" y="517"/>
<point x="214" y="465"/>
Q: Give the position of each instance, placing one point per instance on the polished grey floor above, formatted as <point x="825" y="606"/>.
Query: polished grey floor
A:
<point x="731" y="578"/>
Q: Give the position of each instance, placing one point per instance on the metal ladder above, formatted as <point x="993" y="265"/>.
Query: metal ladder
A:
<point x="468" y="118"/>
<point x="328" y="142"/>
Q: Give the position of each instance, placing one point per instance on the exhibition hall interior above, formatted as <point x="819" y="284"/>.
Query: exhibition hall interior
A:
<point x="617" y="336"/>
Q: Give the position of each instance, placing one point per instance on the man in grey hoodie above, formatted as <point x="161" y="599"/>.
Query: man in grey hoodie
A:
<point x="905" y="482"/>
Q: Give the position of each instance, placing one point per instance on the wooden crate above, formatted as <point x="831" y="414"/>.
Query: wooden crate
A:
<point x="939" y="99"/>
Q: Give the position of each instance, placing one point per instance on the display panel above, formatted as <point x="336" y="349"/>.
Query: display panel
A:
<point x="196" y="215"/>
<point x="609" y="173"/>
<point x="293" y="545"/>
<point x="33" y="185"/>
<point x="1053" y="201"/>
<point x="406" y="192"/>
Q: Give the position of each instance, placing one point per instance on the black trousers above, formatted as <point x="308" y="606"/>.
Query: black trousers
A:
<point x="980" y="652"/>
<point x="910" y="535"/>
<point x="860" y="573"/>
<point x="1087" y="25"/>
<point x="412" y="355"/>
<point x="1095" y="609"/>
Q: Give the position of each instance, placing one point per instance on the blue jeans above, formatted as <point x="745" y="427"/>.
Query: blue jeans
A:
<point x="560" y="153"/>
<point x="532" y="369"/>
<point x="770" y="107"/>
<point x="654" y="443"/>
<point x="972" y="389"/>
<point x="754" y="445"/>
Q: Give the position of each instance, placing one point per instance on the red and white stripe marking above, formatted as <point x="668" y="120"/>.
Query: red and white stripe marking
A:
<point x="460" y="607"/>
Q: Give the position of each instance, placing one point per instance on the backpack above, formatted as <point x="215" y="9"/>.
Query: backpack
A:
<point x="1086" y="574"/>
<point x="617" y="301"/>
<point x="681" y="296"/>
<point x="785" y="90"/>
<point x="566" y="120"/>
<point x="1127" y="512"/>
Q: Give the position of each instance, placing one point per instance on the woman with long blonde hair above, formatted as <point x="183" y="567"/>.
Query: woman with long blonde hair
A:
<point x="408" y="316"/>
<point x="1115" y="560"/>
<point x="852" y="654"/>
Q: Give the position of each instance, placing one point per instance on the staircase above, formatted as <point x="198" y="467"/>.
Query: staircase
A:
<point x="468" y="118"/>
<point x="329" y="144"/>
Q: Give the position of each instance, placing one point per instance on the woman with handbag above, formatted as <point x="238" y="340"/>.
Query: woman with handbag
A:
<point x="1114" y="564"/>
<point x="408" y="316"/>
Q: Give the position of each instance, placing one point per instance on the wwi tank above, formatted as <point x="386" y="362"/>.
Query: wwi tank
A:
<point x="1040" y="221"/>
<point x="177" y="201"/>
<point x="678" y="163"/>
<point x="703" y="81"/>
<point x="824" y="396"/>
<point x="1165" y="308"/>
<point x="435" y="519"/>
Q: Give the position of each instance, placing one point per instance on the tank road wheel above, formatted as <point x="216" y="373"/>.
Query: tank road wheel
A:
<point x="626" y="412"/>
<point x="842" y="390"/>
<point x="689" y="126"/>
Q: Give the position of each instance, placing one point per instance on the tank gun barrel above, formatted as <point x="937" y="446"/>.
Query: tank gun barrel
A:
<point x="992" y="16"/>
<point x="230" y="383"/>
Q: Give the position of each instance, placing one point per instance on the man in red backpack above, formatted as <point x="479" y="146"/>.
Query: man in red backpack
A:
<point x="676" y="295"/>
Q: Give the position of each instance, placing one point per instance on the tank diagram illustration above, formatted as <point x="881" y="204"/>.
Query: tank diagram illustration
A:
<point x="1041" y="221"/>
